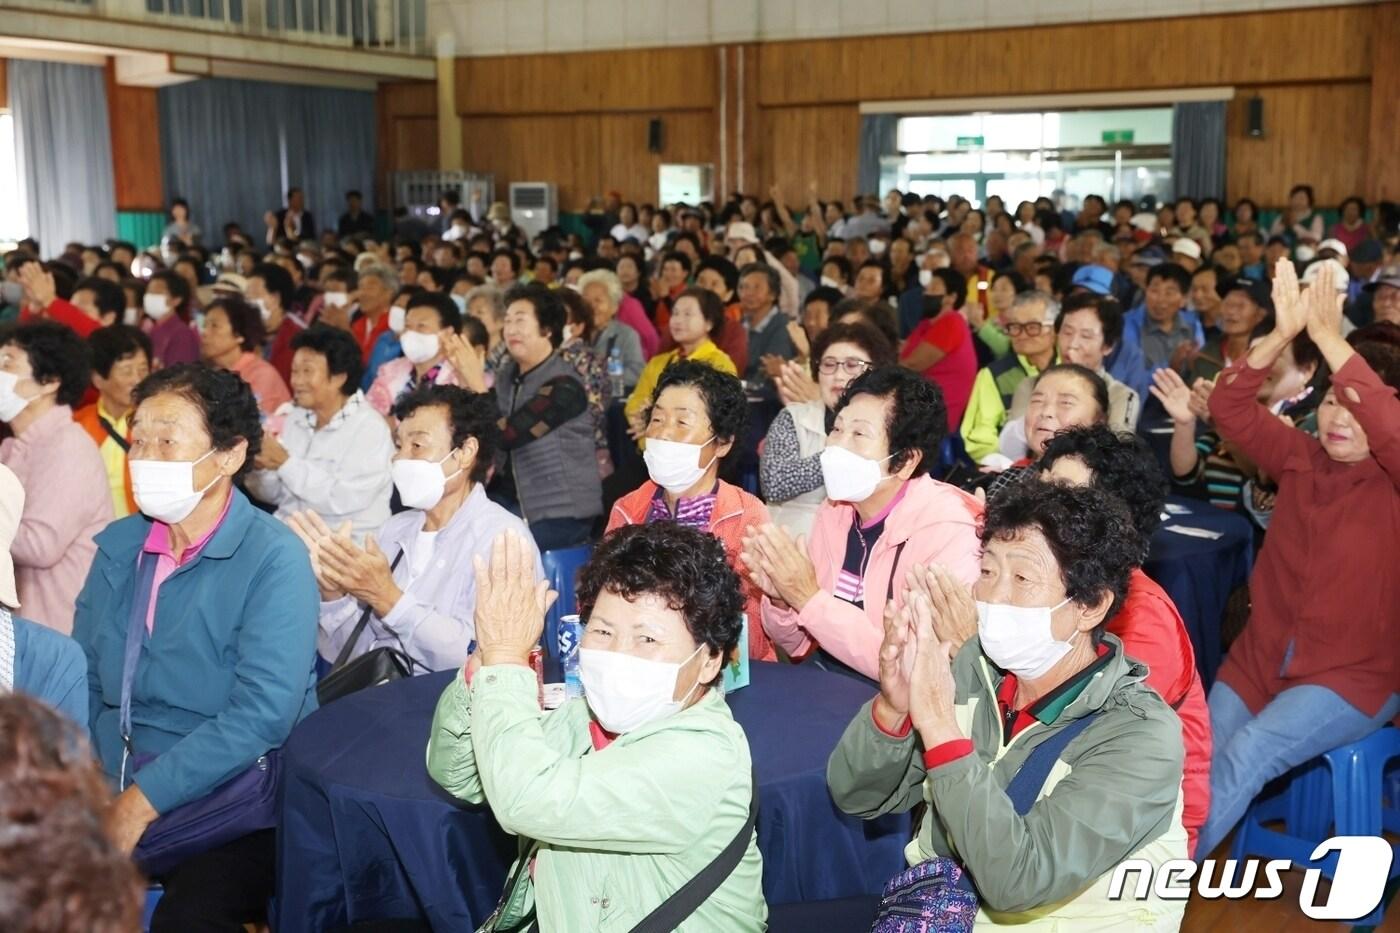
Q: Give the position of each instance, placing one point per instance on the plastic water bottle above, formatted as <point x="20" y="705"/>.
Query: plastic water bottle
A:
<point x="570" y="635"/>
<point x="616" y="373"/>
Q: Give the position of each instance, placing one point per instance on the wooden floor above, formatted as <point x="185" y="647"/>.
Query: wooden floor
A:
<point x="1280" y="915"/>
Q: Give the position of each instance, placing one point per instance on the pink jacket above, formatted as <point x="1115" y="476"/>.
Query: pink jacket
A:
<point x="393" y="376"/>
<point x="933" y="523"/>
<point x="631" y="313"/>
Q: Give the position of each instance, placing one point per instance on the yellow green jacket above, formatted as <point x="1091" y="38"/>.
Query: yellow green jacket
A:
<point x="992" y="392"/>
<point x="613" y="832"/>
<point x="707" y="352"/>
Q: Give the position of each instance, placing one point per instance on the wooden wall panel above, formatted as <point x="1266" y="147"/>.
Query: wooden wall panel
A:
<point x="1383" y="163"/>
<point x="4" y="82"/>
<point x="627" y="166"/>
<point x="682" y="78"/>
<point x="1275" y="47"/>
<point x="801" y="145"/>
<point x="1312" y="134"/>
<point x="134" y="119"/>
<point x="407" y="131"/>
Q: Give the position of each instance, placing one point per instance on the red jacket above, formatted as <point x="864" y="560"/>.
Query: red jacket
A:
<point x="1152" y="632"/>
<point x="735" y="512"/>
<point x="65" y="312"/>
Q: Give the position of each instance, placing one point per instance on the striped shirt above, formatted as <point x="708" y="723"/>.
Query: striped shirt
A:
<point x="693" y="512"/>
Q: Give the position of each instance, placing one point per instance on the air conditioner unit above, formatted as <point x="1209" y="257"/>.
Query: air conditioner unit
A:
<point x="534" y="206"/>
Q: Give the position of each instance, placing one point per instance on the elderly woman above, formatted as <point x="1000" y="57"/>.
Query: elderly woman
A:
<point x="790" y="462"/>
<point x="602" y="290"/>
<point x="884" y="515"/>
<point x="487" y="304"/>
<point x="622" y="798"/>
<point x="220" y="598"/>
<point x="43" y="373"/>
<point x="166" y="303"/>
<point x="332" y="455"/>
<point x="1316" y="667"/>
<point x="411" y="587"/>
<point x="1066" y="395"/>
<point x="701" y="319"/>
<point x="435" y="353"/>
<point x="1041" y="676"/>
<point x="231" y="338"/>
<point x="697" y="415"/>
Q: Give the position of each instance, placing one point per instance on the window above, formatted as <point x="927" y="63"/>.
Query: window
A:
<point x="14" y="219"/>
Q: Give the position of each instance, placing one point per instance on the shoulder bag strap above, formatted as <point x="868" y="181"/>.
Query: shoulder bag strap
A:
<point x="673" y="911"/>
<point x="114" y="434"/>
<point x="135" y="636"/>
<point x="7" y="652"/>
<point x="349" y="647"/>
<point x="1030" y="777"/>
<point x="894" y="570"/>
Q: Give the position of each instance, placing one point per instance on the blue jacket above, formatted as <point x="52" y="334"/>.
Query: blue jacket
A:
<point x="50" y="666"/>
<point x="1126" y="364"/>
<point x="229" y="668"/>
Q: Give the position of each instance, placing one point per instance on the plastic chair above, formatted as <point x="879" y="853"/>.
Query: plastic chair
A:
<point x="1338" y="794"/>
<point x="561" y="569"/>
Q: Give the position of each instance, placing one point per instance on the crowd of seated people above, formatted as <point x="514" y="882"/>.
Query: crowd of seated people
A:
<point x="895" y="442"/>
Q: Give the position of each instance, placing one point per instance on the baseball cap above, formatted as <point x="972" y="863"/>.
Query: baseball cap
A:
<point x="1388" y="275"/>
<point x="1335" y="245"/>
<point x="1367" y="251"/>
<point x="741" y="230"/>
<point x="1146" y="222"/>
<point x="1185" y="247"/>
<point x="1340" y="280"/>
<point x="11" y="507"/>
<point x="1096" y="279"/>
<point x="1259" y="291"/>
<point x="1148" y="256"/>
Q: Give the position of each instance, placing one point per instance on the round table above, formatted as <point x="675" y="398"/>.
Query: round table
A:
<point x="1199" y="573"/>
<point x="367" y="835"/>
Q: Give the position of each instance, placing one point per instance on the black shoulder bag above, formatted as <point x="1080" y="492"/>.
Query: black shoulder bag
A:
<point x="368" y="670"/>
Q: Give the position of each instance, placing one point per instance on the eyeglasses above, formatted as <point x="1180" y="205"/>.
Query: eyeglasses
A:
<point x="1033" y="329"/>
<point x="851" y="366"/>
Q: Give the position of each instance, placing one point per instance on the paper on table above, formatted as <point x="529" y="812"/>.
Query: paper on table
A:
<point x="1196" y="532"/>
<point x="1174" y="509"/>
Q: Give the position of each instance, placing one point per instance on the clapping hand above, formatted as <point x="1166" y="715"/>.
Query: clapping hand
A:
<point x="796" y="385"/>
<point x="466" y="361"/>
<point x="1184" y="355"/>
<point x="38" y="285"/>
<point x="362" y="572"/>
<point x="782" y="560"/>
<point x="1200" y="398"/>
<point x="772" y="365"/>
<point x="798" y="335"/>
<point x="1175" y="395"/>
<point x="953" y="610"/>
<point x="272" y="455"/>
<point x="932" y="692"/>
<point x="1323" y="304"/>
<point x="896" y="666"/>
<point x="510" y="605"/>
<point x="1290" y="314"/>
<point x="312" y="529"/>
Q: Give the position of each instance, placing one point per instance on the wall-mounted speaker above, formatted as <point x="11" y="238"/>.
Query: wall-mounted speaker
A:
<point x="1256" y="116"/>
<point x="654" y="135"/>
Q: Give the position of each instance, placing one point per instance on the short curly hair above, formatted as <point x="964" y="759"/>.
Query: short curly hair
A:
<point x="1122" y="465"/>
<point x="469" y="414"/>
<point x="1089" y="532"/>
<point x="340" y="349"/>
<point x="875" y="344"/>
<point x="550" y="315"/>
<point x="61" y="869"/>
<point x="226" y="402"/>
<point x="918" y="418"/>
<point x="725" y="401"/>
<point x="56" y="354"/>
<point x="685" y="567"/>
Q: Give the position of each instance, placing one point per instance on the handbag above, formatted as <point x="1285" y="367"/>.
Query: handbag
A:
<point x="936" y="895"/>
<point x="671" y="912"/>
<point x="370" y="669"/>
<point x="244" y="804"/>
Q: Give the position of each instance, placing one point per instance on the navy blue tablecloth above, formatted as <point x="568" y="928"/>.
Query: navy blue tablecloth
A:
<point x="1199" y="573"/>
<point x="367" y="835"/>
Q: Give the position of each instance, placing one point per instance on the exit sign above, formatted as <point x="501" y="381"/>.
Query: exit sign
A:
<point x="965" y="142"/>
<point x="1118" y="136"/>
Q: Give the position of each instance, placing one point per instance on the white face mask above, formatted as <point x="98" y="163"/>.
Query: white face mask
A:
<point x="925" y="277"/>
<point x="829" y="282"/>
<point x="131" y="317"/>
<point x="877" y="247"/>
<point x="11" y="402"/>
<point x="398" y="318"/>
<point x="419" y="348"/>
<point x="674" y="466"/>
<point x="336" y="299"/>
<point x="848" y="476"/>
<point x="164" y="489"/>
<point x="263" y="311"/>
<point x="575" y="255"/>
<point x="1020" y="640"/>
<point x="460" y="301"/>
<point x="157" y="307"/>
<point x="626" y="692"/>
<point x="420" y="483"/>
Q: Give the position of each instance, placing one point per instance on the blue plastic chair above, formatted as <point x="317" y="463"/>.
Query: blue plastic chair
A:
<point x="561" y="569"/>
<point x="1342" y="793"/>
<point x="153" y="896"/>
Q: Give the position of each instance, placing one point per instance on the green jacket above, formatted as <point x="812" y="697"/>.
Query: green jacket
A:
<point x="1114" y="794"/>
<point x="614" y="832"/>
<point x="992" y="392"/>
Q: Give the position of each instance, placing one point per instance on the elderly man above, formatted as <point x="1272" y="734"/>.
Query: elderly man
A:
<point x="770" y="344"/>
<point x="962" y="250"/>
<point x="1030" y="322"/>
<point x="788" y="294"/>
<point x="1160" y="331"/>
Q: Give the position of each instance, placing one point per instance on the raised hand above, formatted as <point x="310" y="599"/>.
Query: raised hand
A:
<point x="1290" y="315"/>
<point x="1323" y="305"/>
<point x="1175" y="395"/>
<point x="1200" y="398"/>
<point x="954" y="612"/>
<point x="510" y="605"/>
<point x="465" y="360"/>
<point x="896" y="665"/>
<point x="795" y="384"/>
<point x="38" y="284"/>
<point x="932" y="692"/>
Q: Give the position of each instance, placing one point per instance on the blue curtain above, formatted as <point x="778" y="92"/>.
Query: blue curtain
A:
<point x="64" y="152"/>
<point x="877" y="139"/>
<point x="233" y="148"/>
<point x="1198" y="149"/>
